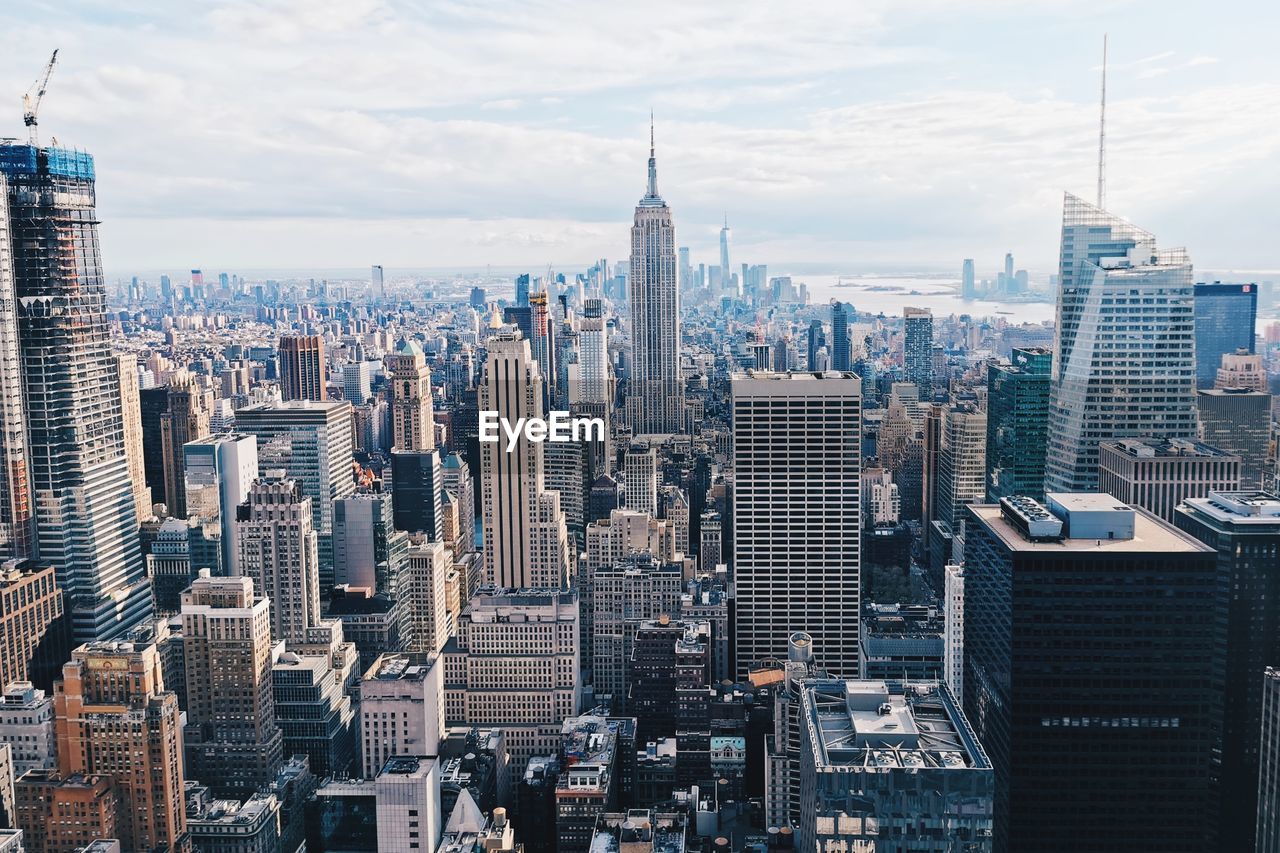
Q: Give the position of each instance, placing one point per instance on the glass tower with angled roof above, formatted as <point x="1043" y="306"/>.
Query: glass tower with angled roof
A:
<point x="1125" y="336"/>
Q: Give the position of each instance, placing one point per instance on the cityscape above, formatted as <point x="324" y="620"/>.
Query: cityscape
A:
<point x="701" y="546"/>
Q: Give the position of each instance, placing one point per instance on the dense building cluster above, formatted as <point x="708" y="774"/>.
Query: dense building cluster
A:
<point x="648" y="558"/>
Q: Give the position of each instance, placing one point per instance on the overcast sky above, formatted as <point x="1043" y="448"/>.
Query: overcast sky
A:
<point x="338" y="133"/>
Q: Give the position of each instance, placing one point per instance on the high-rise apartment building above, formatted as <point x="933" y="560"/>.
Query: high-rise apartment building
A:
<point x="626" y="593"/>
<point x="33" y="627"/>
<point x="796" y="514"/>
<point x="60" y="815"/>
<point x="131" y="413"/>
<point x="953" y="630"/>
<point x="87" y="523"/>
<point x="592" y="369"/>
<point x="302" y="367"/>
<point x="115" y="718"/>
<point x="882" y="763"/>
<point x="514" y="665"/>
<point x="186" y="419"/>
<point x="368" y="552"/>
<point x="401" y="709"/>
<point x="1049" y="680"/>
<point x="962" y="464"/>
<point x="276" y="549"/>
<point x="233" y="744"/>
<point x="640" y="479"/>
<point x="26" y="724"/>
<point x="656" y="392"/>
<point x="429" y="621"/>
<point x="1125" y="371"/>
<point x="1158" y="475"/>
<point x="312" y="442"/>
<point x="917" y="349"/>
<point x="1238" y="421"/>
<point x="525" y="537"/>
<point x="1018" y="424"/>
<point x="1226" y="317"/>
<point x="1243" y="528"/>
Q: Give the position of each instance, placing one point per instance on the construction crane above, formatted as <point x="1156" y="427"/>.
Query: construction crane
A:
<point x="31" y="104"/>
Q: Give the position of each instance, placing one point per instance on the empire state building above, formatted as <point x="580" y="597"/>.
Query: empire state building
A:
<point x="655" y="404"/>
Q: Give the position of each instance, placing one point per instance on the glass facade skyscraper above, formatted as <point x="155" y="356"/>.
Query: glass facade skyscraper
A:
<point x="1125" y="363"/>
<point x="1018" y="424"/>
<point x="1226" y="315"/>
<point x="1088" y="639"/>
<point x="87" y="523"/>
<point x="840" y="354"/>
<point x="917" y="349"/>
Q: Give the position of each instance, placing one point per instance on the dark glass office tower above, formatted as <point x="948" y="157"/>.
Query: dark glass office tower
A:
<point x="917" y="349"/>
<point x="86" y="519"/>
<point x="1018" y="424"/>
<point x="1226" y="317"/>
<point x="1244" y="528"/>
<point x="1088" y="640"/>
<point x="840" y="355"/>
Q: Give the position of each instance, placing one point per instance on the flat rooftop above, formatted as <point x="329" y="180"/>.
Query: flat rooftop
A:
<point x="1163" y="448"/>
<point x="1150" y="534"/>
<point x="888" y="725"/>
<point x="1253" y="507"/>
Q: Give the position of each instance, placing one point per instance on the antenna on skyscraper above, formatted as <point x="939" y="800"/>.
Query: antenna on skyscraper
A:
<point x="1102" y="131"/>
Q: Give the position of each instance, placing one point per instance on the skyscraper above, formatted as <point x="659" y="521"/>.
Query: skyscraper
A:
<point x="187" y="419"/>
<point x="515" y="665"/>
<point x="1238" y="421"/>
<point x="525" y="538"/>
<point x="656" y="393"/>
<point x="593" y="356"/>
<point x="1083" y="713"/>
<point x="968" y="288"/>
<point x="726" y="269"/>
<point x="277" y="551"/>
<point x="542" y="344"/>
<point x="302" y="367"/>
<point x="917" y="349"/>
<point x="796" y="517"/>
<point x="312" y="443"/>
<point x="219" y="471"/>
<point x="412" y="417"/>
<point x="841" y="359"/>
<point x="1243" y="528"/>
<point x="114" y="716"/>
<point x="17" y="525"/>
<point x="1018" y="424"/>
<point x="87" y="523"/>
<point x="1226" y="323"/>
<point x="232" y="741"/>
<point x="377" y="283"/>
<point x="1124" y="370"/>
<point x="131" y="412"/>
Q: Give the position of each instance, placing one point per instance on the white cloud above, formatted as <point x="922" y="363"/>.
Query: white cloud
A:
<point x="313" y="129"/>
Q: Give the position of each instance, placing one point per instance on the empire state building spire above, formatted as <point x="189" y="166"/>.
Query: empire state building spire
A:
<point x="651" y="196"/>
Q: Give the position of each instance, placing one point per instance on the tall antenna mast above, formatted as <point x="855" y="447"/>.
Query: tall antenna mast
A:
<point x="1102" y="131"/>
